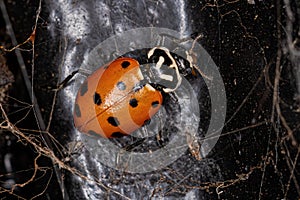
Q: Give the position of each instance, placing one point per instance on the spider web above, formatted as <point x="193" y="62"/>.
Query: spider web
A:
<point x="258" y="149"/>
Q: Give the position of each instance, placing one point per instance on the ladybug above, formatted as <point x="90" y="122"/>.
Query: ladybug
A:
<point x="116" y="100"/>
<point x="112" y="103"/>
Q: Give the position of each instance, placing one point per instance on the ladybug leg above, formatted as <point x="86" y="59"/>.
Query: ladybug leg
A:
<point x="159" y="138"/>
<point x="172" y="65"/>
<point x="137" y="143"/>
<point x="73" y="150"/>
<point x="67" y="80"/>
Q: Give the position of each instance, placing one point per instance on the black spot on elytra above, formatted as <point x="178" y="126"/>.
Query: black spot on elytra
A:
<point x="77" y="110"/>
<point x="125" y="64"/>
<point x="117" y="134"/>
<point x="155" y="104"/>
<point x="113" y="121"/>
<point x="133" y="103"/>
<point x="121" y="85"/>
<point x="97" y="99"/>
<point x="84" y="88"/>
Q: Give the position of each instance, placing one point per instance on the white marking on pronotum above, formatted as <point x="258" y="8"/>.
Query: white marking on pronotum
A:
<point x="173" y="65"/>
<point x="160" y="62"/>
<point x="167" y="77"/>
<point x="158" y="66"/>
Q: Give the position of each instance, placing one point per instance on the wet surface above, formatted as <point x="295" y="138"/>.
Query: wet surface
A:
<point x="256" y="156"/>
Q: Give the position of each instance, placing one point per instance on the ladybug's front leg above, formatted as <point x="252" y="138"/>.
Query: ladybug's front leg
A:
<point x="173" y="65"/>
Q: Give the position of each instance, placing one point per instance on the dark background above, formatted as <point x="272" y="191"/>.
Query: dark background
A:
<point x="255" y="158"/>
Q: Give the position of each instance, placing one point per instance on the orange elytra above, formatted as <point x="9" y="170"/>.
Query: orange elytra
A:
<point x="113" y="102"/>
